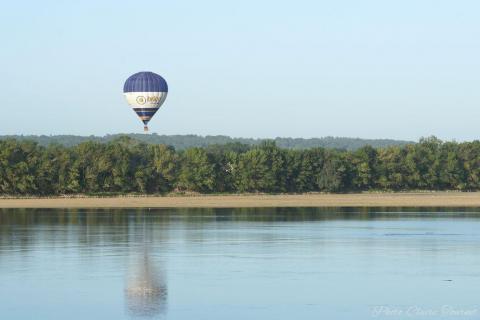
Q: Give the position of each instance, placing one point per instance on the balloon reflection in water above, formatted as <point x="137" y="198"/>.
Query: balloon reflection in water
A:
<point x="146" y="290"/>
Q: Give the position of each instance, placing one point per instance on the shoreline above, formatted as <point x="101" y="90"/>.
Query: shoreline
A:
<point x="411" y="199"/>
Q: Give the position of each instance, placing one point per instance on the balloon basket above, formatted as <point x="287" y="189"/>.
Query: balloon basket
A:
<point x="145" y="129"/>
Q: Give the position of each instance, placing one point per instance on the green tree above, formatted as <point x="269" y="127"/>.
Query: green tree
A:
<point x="165" y="163"/>
<point x="334" y="173"/>
<point x="364" y="161"/>
<point x="196" y="172"/>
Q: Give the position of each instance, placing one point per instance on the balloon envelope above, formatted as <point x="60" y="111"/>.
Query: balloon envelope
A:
<point x="145" y="92"/>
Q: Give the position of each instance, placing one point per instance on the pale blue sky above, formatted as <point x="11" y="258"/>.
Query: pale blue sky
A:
<point x="371" y="69"/>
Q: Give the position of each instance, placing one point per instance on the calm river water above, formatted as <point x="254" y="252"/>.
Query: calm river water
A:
<point x="289" y="263"/>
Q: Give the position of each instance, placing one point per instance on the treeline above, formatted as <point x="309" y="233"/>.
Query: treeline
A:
<point x="182" y="142"/>
<point x="129" y="166"/>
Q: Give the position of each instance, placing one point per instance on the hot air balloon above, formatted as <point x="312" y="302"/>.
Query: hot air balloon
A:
<point x="145" y="92"/>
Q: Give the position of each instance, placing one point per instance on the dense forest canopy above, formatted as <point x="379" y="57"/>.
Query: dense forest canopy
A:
<point x="182" y="142"/>
<point x="126" y="165"/>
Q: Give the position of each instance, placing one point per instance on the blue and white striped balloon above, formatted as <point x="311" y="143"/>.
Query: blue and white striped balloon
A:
<point x="145" y="92"/>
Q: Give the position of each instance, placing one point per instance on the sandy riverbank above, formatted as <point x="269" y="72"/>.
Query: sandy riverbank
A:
<point x="434" y="199"/>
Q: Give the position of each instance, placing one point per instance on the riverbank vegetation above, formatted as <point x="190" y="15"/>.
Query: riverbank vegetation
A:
<point x="127" y="166"/>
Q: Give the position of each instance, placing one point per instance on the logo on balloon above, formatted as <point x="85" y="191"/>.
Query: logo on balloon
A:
<point x="141" y="100"/>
